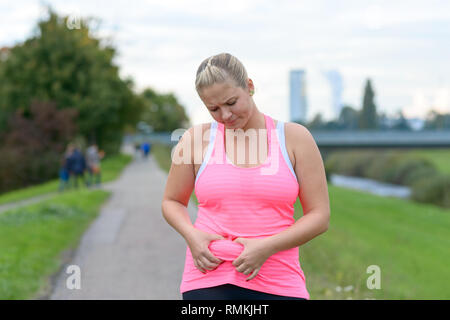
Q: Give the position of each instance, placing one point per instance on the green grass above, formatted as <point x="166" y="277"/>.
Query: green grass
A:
<point x="409" y="241"/>
<point x="32" y="239"/>
<point x="439" y="157"/>
<point x="111" y="168"/>
<point x="161" y="153"/>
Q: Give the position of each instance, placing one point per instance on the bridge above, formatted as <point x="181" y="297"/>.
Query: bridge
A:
<point x="382" y="139"/>
<point x="346" y="139"/>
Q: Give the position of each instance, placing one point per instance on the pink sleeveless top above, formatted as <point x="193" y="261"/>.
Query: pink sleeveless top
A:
<point x="253" y="202"/>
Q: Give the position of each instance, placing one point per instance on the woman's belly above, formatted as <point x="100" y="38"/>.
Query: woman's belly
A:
<point x="226" y="250"/>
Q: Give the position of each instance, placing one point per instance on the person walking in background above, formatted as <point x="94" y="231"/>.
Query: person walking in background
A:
<point x="146" y="149"/>
<point x="76" y="164"/>
<point x="137" y="150"/>
<point x="64" y="169"/>
<point x="93" y="157"/>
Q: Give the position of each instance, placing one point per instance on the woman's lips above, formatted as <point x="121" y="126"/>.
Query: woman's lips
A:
<point x="230" y="123"/>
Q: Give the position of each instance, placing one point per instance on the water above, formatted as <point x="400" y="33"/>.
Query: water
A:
<point x="372" y="186"/>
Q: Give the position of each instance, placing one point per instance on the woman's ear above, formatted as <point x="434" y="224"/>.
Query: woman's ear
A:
<point x="250" y="85"/>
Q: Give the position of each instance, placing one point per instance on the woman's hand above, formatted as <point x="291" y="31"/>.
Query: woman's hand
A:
<point x="253" y="256"/>
<point x="198" y="243"/>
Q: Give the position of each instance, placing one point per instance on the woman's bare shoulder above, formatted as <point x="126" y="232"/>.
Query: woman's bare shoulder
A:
<point x="296" y="130"/>
<point x="299" y="138"/>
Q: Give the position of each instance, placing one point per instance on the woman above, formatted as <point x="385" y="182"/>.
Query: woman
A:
<point x="244" y="243"/>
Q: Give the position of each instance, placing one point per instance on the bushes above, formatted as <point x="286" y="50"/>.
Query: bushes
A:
<point x="352" y="163"/>
<point x="395" y="167"/>
<point x="434" y="190"/>
<point x="32" y="149"/>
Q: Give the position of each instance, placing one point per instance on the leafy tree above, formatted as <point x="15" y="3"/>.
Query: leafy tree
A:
<point x="163" y="112"/>
<point x="332" y="125"/>
<point x="348" y="118"/>
<point x="368" y="115"/>
<point x="401" y="122"/>
<point x="317" y="122"/>
<point x="75" y="70"/>
<point x="437" y="121"/>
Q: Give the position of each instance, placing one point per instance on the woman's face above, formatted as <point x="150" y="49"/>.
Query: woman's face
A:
<point x="228" y="104"/>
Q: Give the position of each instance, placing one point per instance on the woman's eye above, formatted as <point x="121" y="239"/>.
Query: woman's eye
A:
<point x="230" y="104"/>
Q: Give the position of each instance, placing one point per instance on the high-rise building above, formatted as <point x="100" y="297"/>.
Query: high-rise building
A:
<point x="335" y="80"/>
<point x="297" y="101"/>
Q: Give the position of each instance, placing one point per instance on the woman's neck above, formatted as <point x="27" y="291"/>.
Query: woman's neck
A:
<point x="256" y="121"/>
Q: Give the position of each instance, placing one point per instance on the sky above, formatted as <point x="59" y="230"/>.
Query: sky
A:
<point x="402" y="46"/>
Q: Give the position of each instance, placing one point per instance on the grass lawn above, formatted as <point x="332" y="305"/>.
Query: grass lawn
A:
<point x="32" y="239"/>
<point x="111" y="168"/>
<point x="408" y="241"/>
<point x="161" y="153"/>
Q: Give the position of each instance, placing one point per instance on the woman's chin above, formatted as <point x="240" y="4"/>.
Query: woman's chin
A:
<point x="231" y="125"/>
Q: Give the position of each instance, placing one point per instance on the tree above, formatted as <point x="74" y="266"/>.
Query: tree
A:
<point x="348" y="118"/>
<point x="401" y="122"/>
<point x="75" y="70"/>
<point x="368" y="115"/>
<point x="437" y="121"/>
<point x="162" y="111"/>
<point x="317" y="123"/>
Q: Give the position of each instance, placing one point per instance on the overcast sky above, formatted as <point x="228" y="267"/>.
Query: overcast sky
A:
<point x="403" y="46"/>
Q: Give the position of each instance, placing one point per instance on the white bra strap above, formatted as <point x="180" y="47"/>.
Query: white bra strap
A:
<point x="212" y="138"/>
<point x="282" y="141"/>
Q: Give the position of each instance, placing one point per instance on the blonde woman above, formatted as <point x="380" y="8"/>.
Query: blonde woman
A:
<point x="244" y="242"/>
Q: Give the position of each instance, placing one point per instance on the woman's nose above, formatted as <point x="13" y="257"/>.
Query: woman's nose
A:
<point x="226" y="116"/>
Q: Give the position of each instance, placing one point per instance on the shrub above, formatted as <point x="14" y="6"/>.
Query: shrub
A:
<point x="32" y="148"/>
<point x="427" y="184"/>
<point x="434" y="190"/>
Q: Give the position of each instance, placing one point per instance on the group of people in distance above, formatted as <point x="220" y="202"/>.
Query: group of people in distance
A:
<point x="74" y="165"/>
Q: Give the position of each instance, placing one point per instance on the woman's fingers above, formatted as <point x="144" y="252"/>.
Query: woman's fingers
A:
<point x="197" y="265"/>
<point x="254" y="274"/>
<point x="241" y="268"/>
<point x="247" y="271"/>
<point x="207" y="264"/>
<point x="212" y="258"/>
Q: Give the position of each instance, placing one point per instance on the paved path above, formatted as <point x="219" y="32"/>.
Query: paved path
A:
<point x="129" y="251"/>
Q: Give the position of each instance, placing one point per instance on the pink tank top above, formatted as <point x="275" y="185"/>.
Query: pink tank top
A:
<point x="253" y="202"/>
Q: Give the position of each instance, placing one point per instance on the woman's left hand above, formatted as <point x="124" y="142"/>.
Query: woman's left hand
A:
<point x="253" y="256"/>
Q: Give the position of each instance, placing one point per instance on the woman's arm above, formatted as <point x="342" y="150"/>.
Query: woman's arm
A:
<point x="313" y="193"/>
<point x="179" y="187"/>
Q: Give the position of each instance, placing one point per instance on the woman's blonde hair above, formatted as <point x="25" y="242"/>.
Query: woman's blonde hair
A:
<point x="220" y="68"/>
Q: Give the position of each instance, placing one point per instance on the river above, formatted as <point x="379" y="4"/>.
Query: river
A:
<point x="372" y="186"/>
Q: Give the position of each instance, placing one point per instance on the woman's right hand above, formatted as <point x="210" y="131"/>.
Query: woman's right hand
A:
<point x="198" y="243"/>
